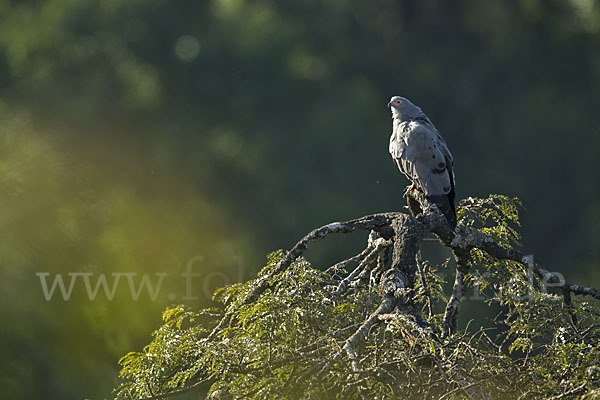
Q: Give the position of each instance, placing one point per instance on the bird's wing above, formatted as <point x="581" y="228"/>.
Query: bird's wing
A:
<point x="447" y="155"/>
<point x="398" y="146"/>
<point x="424" y="157"/>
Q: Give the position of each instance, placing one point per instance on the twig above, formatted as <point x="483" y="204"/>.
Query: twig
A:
<point x="365" y="264"/>
<point x="386" y="306"/>
<point x="357" y="258"/>
<point x="470" y="238"/>
<point x="569" y="392"/>
<point x="422" y="266"/>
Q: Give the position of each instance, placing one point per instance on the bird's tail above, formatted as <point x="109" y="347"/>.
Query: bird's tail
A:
<point x="446" y="206"/>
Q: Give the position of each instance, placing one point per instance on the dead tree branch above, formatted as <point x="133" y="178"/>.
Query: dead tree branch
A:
<point x="467" y="239"/>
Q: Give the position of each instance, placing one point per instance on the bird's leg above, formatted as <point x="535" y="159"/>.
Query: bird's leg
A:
<point x="413" y="204"/>
<point x="409" y="189"/>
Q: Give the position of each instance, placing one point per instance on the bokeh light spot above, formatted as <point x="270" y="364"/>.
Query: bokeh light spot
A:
<point x="187" y="48"/>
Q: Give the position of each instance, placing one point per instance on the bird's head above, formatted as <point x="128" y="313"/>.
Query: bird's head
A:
<point x="403" y="108"/>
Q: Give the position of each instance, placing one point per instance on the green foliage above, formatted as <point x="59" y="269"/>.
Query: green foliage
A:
<point x="284" y="345"/>
<point x="498" y="217"/>
<point x="248" y="354"/>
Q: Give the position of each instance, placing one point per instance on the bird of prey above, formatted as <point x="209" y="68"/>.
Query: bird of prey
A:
<point x="422" y="155"/>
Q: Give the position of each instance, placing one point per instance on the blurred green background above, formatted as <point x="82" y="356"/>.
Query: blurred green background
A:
<point x="153" y="136"/>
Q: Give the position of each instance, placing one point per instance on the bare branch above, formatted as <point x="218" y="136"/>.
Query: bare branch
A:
<point x="451" y="313"/>
<point x="378" y="245"/>
<point x="467" y="239"/>
<point x="357" y="258"/>
<point x="386" y="306"/>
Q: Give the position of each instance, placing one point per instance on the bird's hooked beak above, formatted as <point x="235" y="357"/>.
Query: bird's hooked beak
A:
<point x="390" y="104"/>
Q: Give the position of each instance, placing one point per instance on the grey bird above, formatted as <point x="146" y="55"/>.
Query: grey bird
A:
<point x="422" y="155"/>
